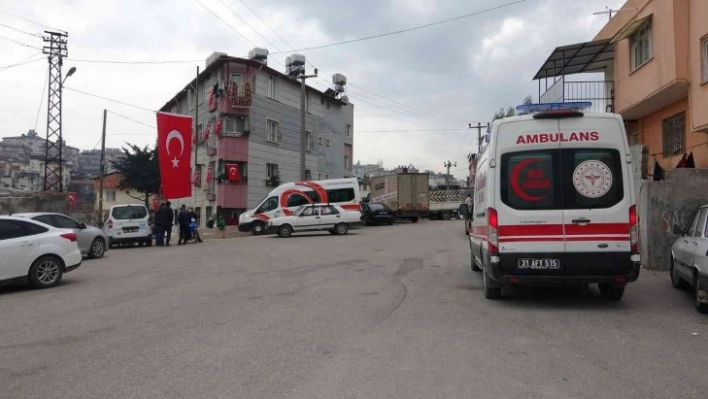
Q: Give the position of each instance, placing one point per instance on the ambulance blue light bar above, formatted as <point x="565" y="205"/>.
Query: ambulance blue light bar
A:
<point x="577" y="106"/>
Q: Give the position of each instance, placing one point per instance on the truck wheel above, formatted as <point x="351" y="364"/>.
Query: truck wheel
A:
<point x="446" y="215"/>
<point x="257" y="228"/>
<point x="492" y="290"/>
<point x="611" y="292"/>
<point x="415" y="219"/>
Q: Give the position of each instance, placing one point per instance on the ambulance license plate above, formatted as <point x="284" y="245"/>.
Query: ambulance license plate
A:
<point x="539" y="263"/>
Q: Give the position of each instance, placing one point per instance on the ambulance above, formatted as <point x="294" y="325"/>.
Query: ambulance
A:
<point x="286" y="198"/>
<point x="554" y="202"/>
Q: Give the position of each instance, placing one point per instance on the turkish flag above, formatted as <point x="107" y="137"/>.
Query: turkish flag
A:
<point x="174" y="146"/>
<point x="233" y="173"/>
<point x="217" y="128"/>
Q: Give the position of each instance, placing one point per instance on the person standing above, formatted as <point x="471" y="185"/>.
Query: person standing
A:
<point x="169" y="216"/>
<point x="161" y="221"/>
<point x="470" y="204"/>
<point x="183" y="218"/>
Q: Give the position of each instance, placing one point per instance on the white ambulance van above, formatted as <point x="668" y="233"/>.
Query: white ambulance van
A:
<point x="554" y="202"/>
<point x="287" y="197"/>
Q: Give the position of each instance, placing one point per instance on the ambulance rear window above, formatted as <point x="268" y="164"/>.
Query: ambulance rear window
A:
<point x="562" y="179"/>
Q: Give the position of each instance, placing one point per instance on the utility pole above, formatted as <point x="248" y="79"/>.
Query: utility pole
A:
<point x="479" y="135"/>
<point x="103" y="170"/>
<point x="53" y="161"/>
<point x="448" y="165"/>
<point x="196" y="132"/>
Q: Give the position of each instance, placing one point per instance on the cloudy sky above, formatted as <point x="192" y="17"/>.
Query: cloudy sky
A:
<point x="414" y="93"/>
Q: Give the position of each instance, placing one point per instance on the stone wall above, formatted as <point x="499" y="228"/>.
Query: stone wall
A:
<point x="666" y="204"/>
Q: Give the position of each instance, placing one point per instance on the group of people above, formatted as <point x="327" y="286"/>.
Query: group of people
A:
<point x="164" y="220"/>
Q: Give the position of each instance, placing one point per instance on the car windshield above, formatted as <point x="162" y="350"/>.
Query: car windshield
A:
<point x="377" y="207"/>
<point x="129" y="212"/>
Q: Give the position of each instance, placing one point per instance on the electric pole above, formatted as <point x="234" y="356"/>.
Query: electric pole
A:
<point x="479" y="135"/>
<point x="448" y="165"/>
<point x="295" y="68"/>
<point x="53" y="161"/>
<point x="103" y="170"/>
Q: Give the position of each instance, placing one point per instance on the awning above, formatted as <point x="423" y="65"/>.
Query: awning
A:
<point x="631" y="28"/>
<point x="578" y="58"/>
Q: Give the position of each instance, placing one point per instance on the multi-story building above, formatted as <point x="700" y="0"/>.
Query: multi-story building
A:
<point x="247" y="138"/>
<point x="654" y="56"/>
<point x="90" y="161"/>
<point x="29" y="173"/>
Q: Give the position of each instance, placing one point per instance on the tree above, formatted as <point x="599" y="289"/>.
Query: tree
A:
<point x="511" y="111"/>
<point x="141" y="171"/>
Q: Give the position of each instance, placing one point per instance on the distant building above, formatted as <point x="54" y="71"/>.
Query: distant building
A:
<point x="90" y="162"/>
<point x="112" y="194"/>
<point x="257" y="109"/>
<point x="22" y="162"/>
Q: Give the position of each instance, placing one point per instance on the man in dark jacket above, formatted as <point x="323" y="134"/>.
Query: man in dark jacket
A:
<point x="169" y="216"/>
<point x="183" y="218"/>
<point x="163" y="224"/>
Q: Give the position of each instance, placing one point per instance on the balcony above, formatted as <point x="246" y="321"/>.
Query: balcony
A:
<point x="600" y="93"/>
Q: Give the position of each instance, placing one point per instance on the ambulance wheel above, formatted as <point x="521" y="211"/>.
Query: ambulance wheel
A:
<point x="414" y="220"/>
<point x="611" y="292"/>
<point x="492" y="290"/>
<point x="475" y="268"/>
<point x="257" y="228"/>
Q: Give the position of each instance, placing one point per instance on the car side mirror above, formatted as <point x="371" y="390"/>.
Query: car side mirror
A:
<point x="82" y="226"/>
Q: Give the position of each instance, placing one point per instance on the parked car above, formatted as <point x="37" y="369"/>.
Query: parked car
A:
<point x="689" y="259"/>
<point x="92" y="241"/>
<point x="377" y="213"/>
<point x="128" y="224"/>
<point x="36" y="251"/>
<point x="315" y="217"/>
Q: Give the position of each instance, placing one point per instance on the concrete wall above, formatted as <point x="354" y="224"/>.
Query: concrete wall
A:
<point x="665" y="204"/>
<point x="36" y="202"/>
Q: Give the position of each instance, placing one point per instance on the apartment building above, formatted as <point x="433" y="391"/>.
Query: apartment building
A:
<point x="90" y="161"/>
<point x="247" y="138"/>
<point x="654" y="57"/>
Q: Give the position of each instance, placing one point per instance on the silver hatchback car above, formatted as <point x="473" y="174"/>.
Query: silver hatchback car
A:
<point x="92" y="240"/>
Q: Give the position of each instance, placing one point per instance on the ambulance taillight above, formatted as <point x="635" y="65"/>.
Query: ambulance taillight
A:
<point x="633" y="229"/>
<point x="493" y="231"/>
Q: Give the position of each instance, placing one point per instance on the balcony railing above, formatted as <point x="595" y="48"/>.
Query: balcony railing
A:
<point x="600" y="93"/>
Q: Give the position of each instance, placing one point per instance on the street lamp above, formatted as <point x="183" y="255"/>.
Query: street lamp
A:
<point x="69" y="73"/>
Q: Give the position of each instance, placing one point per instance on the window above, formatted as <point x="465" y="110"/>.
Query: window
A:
<point x="308" y="174"/>
<point x="236" y="78"/>
<point x="327" y="142"/>
<point x="273" y="131"/>
<point x="64" y="222"/>
<point x="202" y="93"/>
<point x="268" y="205"/>
<point x="272" y="170"/>
<point x="340" y="195"/>
<point x="640" y="45"/>
<point x="704" y="57"/>
<point x="129" y="212"/>
<point x="346" y="162"/>
<point x="233" y="125"/>
<point x="329" y="210"/>
<point x="349" y="130"/>
<point x="701" y="223"/>
<point x="673" y="135"/>
<point x="199" y="132"/>
<point x="308" y="140"/>
<point x="553" y="179"/>
<point x="15" y="229"/>
<point x="270" y="87"/>
<point x="309" y="211"/>
<point x="111" y="196"/>
<point x="320" y="139"/>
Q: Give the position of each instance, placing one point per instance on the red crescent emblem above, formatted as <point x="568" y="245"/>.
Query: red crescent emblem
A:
<point x="515" y="180"/>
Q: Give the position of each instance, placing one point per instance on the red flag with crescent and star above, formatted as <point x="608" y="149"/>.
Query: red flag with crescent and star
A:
<point x="233" y="173"/>
<point x="174" y="147"/>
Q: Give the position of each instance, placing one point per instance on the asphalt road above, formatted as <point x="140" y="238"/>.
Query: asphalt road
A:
<point x="390" y="311"/>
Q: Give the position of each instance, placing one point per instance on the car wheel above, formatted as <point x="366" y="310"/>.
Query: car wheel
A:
<point x="257" y="229"/>
<point x="390" y="223"/>
<point x="676" y="280"/>
<point x="331" y="231"/>
<point x="700" y="295"/>
<point x="341" y="229"/>
<point x="414" y="220"/>
<point x="98" y="248"/>
<point x="611" y="292"/>
<point x="492" y="290"/>
<point x="285" y="231"/>
<point x="46" y="272"/>
<point x="364" y="221"/>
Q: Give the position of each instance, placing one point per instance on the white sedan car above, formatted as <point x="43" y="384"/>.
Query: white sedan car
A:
<point x="316" y="217"/>
<point x="689" y="259"/>
<point x="36" y="251"/>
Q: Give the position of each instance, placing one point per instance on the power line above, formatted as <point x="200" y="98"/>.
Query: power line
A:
<point x="247" y="24"/>
<point x="109" y="99"/>
<point x="21" y="31"/>
<point x="225" y="23"/>
<point x="41" y="101"/>
<point x="132" y="120"/>
<point x="266" y="24"/>
<point x="32" y="22"/>
<point x="135" y="62"/>
<point x="22" y="62"/>
<point x="412" y="28"/>
<point x="20" y="43"/>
